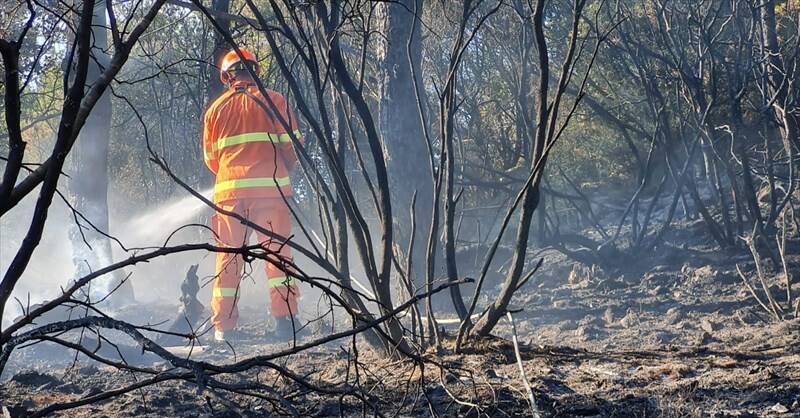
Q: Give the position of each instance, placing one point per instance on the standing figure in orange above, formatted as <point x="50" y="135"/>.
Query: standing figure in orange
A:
<point x="250" y="151"/>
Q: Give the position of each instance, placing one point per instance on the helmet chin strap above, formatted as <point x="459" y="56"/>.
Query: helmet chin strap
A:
<point x="228" y="76"/>
<point x="229" y="79"/>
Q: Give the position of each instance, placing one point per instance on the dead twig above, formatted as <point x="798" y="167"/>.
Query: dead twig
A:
<point x="781" y="241"/>
<point x="774" y="307"/>
<point x="753" y="292"/>
<point x="525" y="382"/>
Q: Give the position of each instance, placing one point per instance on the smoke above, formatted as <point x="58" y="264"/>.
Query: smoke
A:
<point x="156" y="282"/>
<point x="168" y="224"/>
<point x="51" y="266"/>
<point x="152" y="227"/>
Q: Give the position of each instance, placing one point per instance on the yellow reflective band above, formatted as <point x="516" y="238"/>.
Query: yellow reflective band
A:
<point x="280" y="281"/>
<point x="253" y="182"/>
<point x="225" y="292"/>
<point x="207" y="155"/>
<point x="254" y="137"/>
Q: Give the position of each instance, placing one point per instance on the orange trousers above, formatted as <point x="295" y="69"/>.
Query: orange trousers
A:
<point x="272" y="214"/>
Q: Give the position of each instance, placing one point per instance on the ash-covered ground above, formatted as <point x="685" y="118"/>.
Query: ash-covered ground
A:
<point x="673" y="334"/>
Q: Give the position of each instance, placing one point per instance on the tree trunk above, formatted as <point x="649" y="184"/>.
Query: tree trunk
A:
<point x="215" y="87"/>
<point x="88" y="184"/>
<point x="778" y="88"/>
<point x="403" y="135"/>
<point x="530" y="197"/>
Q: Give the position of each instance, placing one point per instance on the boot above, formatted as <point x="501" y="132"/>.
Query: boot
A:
<point x="224" y="338"/>
<point x="289" y="328"/>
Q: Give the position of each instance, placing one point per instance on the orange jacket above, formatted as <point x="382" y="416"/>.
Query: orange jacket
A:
<point x="249" y="150"/>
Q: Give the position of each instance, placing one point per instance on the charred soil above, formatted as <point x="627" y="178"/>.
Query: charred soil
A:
<point x="673" y="334"/>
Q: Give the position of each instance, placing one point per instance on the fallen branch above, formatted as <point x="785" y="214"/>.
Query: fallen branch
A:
<point x="198" y="371"/>
<point x="525" y="382"/>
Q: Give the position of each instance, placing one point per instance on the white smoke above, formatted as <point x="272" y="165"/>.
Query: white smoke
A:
<point x="51" y="265"/>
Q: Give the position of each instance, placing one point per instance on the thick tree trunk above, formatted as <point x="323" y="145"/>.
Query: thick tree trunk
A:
<point x="88" y="183"/>
<point x="406" y="151"/>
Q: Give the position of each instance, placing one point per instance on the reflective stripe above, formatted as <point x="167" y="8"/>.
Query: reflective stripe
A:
<point x="225" y="292"/>
<point x="281" y="281"/>
<point x="207" y="155"/>
<point x="253" y="182"/>
<point x="254" y="137"/>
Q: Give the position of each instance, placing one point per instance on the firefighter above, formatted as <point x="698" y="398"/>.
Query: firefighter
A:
<point x="249" y="150"/>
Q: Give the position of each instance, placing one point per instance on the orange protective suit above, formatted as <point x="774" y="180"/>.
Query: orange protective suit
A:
<point x="250" y="152"/>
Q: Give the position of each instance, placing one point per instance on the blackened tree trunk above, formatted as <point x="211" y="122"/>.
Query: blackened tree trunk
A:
<point x="407" y="151"/>
<point x="88" y="183"/>
<point x="778" y="89"/>
<point x="215" y="87"/>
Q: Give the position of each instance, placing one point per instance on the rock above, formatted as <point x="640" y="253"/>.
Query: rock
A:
<point x="35" y="379"/>
<point x="589" y="332"/>
<point x="579" y="276"/>
<point x="656" y="290"/>
<point x="686" y="271"/>
<point x="746" y="318"/>
<point x="705" y="338"/>
<point x="581" y="331"/>
<point x="663" y="338"/>
<point x="591" y="320"/>
<point x="673" y="315"/>
<point x="608" y="316"/>
<point x="779" y="408"/>
<point x="704" y="274"/>
<point x="629" y="319"/>
<point x="568" y="325"/>
<point x="612" y="284"/>
<point x="707" y="326"/>
<point x="560" y="304"/>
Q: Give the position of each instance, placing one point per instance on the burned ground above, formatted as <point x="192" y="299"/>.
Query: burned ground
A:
<point x="675" y="334"/>
<point x="643" y="154"/>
